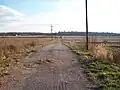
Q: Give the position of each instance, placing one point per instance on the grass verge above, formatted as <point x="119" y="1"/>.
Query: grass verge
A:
<point x="106" y="75"/>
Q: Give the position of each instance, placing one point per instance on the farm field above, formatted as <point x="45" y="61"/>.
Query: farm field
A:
<point x="13" y="49"/>
<point x="110" y="40"/>
<point x="29" y="36"/>
<point x="111" y="44"/>
<point x="98" y="38"/>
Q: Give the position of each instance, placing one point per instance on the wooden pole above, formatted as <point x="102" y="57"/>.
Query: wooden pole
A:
<point x="51" y="31"/>
<point x="86" y="26"/>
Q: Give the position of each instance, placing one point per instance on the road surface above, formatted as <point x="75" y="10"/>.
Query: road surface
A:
<point x="54" y="67"/>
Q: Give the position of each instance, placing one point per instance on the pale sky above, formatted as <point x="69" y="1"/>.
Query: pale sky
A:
<point x="68" y="15"/>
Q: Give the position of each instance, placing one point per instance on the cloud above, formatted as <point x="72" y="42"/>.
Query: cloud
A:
<point x="9" y="16"/>
<point x="103" y="16"/>
<point x="61" y="19"/>
<point x="5" y="11"/>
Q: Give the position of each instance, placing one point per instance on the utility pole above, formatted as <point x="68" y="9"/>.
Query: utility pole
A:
<point x="86" y="26"/>
<point x="4" y="36"/>
<point x="51" y="30"/>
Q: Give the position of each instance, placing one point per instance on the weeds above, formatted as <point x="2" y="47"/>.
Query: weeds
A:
<point x="105" y="74"/>
<point x="13" y="49"/>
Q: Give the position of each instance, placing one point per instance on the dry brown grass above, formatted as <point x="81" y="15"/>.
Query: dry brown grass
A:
<point x="15" y="45"/>
<point x="12" y="49"/>
<point x="116" y="55"/>
<point x="101" y="51"/>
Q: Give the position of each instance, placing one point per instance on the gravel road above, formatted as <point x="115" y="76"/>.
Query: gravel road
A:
<point x="54" y="67"/>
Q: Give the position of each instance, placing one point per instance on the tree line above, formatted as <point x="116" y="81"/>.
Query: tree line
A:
<point x="59" y="34"/>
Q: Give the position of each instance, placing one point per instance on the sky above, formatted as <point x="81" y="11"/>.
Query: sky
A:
<point x="65" y="15"/>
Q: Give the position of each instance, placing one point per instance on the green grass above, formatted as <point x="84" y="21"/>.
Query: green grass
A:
<point x="106" y="75"/>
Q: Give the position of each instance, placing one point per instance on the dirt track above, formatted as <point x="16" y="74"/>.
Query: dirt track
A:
<point x="54" y="67"/>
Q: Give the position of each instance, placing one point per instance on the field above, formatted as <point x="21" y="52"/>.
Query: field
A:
<point x="110" y="43"/>
<point x="110" y="40"/>
<point x="12" y="49"/>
